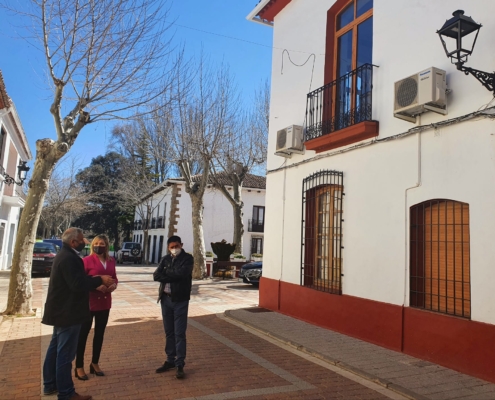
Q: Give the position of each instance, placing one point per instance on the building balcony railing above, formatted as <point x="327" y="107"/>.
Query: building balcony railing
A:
<point x="160" y="223"/>
<point x="340" y="104"/>
<point x="153" y="223"/>
<point x="256" y="226"/>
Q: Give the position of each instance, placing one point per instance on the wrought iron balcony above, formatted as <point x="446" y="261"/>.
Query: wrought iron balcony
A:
<point x="340" y="104"/>
<point x="160" y="223"/>
<point x="153" y="223"/>
<point x="256" y="226"/>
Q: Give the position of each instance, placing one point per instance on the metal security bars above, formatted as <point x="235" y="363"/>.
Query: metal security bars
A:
<point x="321" y="231"/>
<point x="339" y="104"/>
<point x="440" y="257"/>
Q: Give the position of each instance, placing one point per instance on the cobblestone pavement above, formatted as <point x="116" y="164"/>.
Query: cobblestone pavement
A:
<point x="225" y="360"/>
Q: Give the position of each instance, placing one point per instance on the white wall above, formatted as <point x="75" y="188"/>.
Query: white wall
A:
<point x="457" y="162"/>
<point x="218" y="220"/>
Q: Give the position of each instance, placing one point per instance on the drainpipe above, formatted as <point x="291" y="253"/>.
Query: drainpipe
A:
<point x="283" y="236"/>
<point x="406" y="220"/>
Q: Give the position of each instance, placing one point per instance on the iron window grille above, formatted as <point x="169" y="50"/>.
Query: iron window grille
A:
<point x="321" y="231"/>
<point x="440" y="257"/>
<point x="257" y="245"/>
<point x="339" y="104"/>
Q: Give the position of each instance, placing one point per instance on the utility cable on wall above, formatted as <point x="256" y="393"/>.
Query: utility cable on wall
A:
<point x="486" y="113"/>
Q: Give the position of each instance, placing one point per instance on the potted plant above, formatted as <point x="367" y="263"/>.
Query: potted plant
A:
<point x="209" y="256"/>
<point x="257" y="257"/>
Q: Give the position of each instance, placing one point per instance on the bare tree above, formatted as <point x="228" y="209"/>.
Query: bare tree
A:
<point x="65" y="199"/>
<point x="104" y="58"/>
<point x="242" y="150"/>
<point x="137" y="189"/>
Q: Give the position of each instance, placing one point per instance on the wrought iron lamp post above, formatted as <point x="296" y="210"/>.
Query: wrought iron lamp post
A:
<point x="22" y="170"/>
<point x="454" y="31"/>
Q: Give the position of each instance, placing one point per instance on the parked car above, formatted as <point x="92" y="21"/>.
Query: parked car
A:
<point x="130" y="251"/>
<point x="251" y="272"/>
<point x="43" y="255"/>
<point x="57" y="242"/>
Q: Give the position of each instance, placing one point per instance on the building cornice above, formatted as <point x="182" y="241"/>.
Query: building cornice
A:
<point x="266" y="11"/>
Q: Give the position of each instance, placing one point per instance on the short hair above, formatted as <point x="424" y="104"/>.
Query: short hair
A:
<point x="107" y="244"/>
<point x="174" y="239"/>
<point x="71" y="234"/>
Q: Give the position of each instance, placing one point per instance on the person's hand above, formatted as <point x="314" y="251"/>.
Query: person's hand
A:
<point x="111" y="288"/>
<point x="107" y="280"/>
<point x="102" y="288"/>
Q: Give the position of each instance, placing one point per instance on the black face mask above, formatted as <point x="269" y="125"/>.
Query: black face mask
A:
<point x="99" y="249"/>
<point x="80" y="246"/>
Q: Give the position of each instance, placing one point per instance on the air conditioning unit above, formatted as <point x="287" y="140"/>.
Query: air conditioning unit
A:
<point x="290" y="140"/>
<point x="425" y="91"/>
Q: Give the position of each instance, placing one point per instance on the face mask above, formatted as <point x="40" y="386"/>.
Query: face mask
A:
<point x="175" y="252"/>
<point x="99" y="249"/>
<point x="80" y="246"/>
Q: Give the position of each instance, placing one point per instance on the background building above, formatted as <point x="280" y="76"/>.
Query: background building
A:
<point x="171" y="215"/>
<point x="383" y="228"/>
<point x="14" y="148"/>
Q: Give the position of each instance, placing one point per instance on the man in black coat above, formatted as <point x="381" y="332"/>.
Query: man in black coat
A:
<point x="175" y="276"/>
<point x="66" y="308"/>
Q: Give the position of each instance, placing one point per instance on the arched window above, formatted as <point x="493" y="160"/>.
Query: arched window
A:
<point x="322" y="231"/>
<point x="440" y="257"/>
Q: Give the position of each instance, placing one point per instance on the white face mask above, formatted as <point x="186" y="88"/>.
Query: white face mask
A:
<point x="175" y="252"/>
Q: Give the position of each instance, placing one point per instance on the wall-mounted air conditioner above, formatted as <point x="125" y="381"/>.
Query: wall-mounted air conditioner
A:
<point x="418" y="93"/>
<point x="289" y="141"/>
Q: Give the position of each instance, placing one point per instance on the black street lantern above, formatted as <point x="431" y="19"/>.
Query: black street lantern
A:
<point x="457" y="28"/>
<point x="452" y="34"/>
<point x="22" y="170"/>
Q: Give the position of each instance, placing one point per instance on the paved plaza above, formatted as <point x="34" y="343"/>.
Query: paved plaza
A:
<point x="235" y="351"/>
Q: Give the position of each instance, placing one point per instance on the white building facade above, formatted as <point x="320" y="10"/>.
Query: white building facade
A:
<point x="171" y="214"/>
<point x="14" y="148"/>
<point x="383" y="228"/>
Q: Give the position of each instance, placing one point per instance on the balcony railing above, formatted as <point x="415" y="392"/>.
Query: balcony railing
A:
<point x="153" y="223"/>
<point x="160" y="223"/>
<point x="256" y="226"/>
<point x="339" y="104"/>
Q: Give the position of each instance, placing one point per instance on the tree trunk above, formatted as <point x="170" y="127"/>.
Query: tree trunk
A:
<point x="198" y="237"/>
<point x="238" y="226"/>
<point x="20" y="295"/>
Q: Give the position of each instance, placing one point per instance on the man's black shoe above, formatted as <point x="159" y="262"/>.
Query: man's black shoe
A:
<point x="50" y="392"/>
<point x="165" y="367"/>
<point x="179" y="374"/>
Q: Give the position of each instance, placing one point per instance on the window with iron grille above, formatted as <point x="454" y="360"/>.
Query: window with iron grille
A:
<point x="440" y="257"/>
<point x="321" y="255"/>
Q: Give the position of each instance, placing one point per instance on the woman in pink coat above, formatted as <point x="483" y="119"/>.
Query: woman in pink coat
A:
<point x="100" y="301"/>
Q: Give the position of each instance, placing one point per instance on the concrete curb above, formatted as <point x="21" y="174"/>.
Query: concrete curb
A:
<point x="363" y="374"/>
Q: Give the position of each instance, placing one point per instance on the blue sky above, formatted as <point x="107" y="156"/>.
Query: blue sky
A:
<point x="23" y="66"/>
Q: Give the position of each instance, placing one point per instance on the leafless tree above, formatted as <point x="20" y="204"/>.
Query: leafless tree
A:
<point x="242" y="150"/>
<point x="137" y="189"/>
<point x="146" y="140"/>
<point x="65" y="200"/>
<point x="104" y="59"/>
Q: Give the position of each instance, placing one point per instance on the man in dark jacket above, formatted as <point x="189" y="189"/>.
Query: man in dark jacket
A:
<point x="66" y="308"/>
<point x="175" y="276"/>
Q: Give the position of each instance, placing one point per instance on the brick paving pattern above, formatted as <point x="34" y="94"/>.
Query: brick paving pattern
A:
<point x="246" y="354"/>
<point x="408" y="375"/>
<point x="224" y="361"/>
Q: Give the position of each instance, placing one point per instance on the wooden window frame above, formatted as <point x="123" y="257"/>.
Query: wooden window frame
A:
<point x="313" y="248"/>
<point x="439" y="266"/>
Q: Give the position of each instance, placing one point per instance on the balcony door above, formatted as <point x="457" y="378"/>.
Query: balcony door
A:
<point x="354" y="48"/>
<point x="258" y="215"/>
